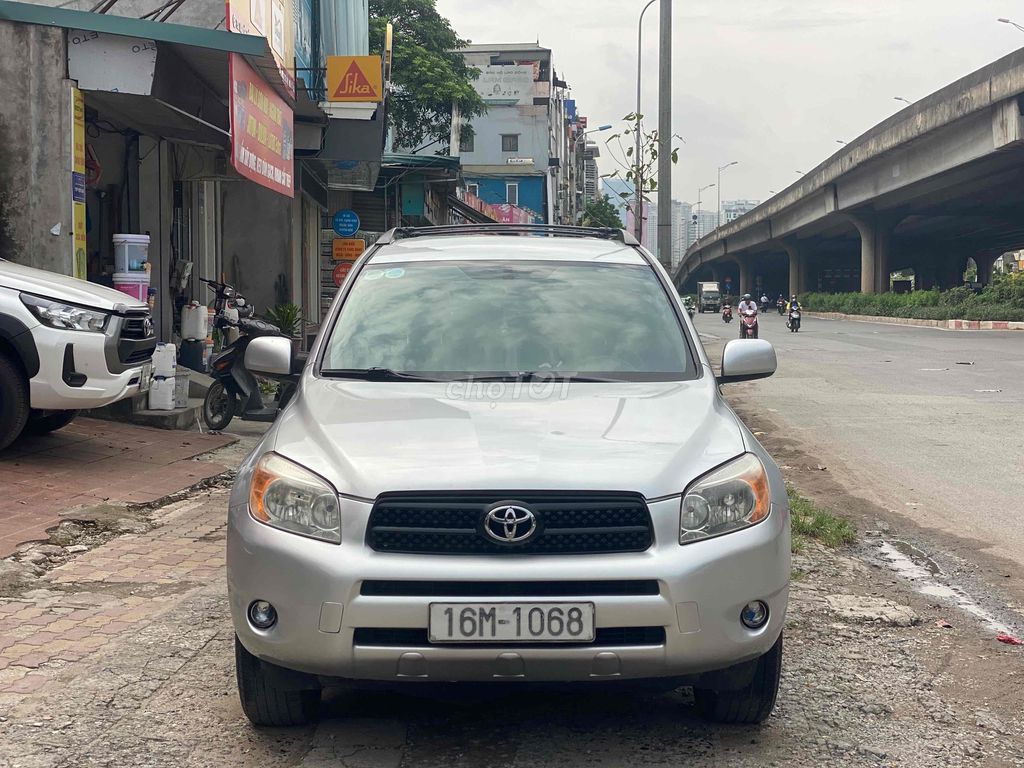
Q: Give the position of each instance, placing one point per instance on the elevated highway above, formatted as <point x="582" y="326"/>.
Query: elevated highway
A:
<point x="936" y="184"/>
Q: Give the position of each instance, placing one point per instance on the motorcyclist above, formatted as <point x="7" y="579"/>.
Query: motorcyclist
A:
<point x="794" y="303"/>
<point x="764" y="301"/>
<point x="747" y="303"/>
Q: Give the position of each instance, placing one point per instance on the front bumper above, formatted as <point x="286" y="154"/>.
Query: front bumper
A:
<point x="317" y="590"/>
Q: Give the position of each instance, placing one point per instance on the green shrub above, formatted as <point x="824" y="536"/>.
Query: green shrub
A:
<point x="1003" y="300"/>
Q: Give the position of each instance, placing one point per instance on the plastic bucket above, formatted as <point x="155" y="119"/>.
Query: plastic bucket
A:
<point x="131" y="252"/>
<point x="135" y="284"/>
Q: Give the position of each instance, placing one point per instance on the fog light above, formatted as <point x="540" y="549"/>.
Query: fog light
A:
<point x="754" y="614"/>
<point x="262" y="614"/>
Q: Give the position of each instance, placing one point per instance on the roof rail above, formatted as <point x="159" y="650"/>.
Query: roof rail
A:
<point x="550" y="230"/>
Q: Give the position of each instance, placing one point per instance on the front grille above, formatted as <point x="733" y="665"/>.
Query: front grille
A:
<point x="508" y="588"/>
<point x="567" y="523"/>
<point x="417" y="638"/>
<point x="137" y="341"/>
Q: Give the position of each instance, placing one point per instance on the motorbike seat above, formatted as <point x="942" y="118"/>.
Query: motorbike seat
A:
<point x="254" y="327"/>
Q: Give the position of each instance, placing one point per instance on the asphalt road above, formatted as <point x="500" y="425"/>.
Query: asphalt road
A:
<point x="927" y="423"/>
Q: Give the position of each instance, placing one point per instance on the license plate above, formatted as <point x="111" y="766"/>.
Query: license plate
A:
<point x="511" y="622"/>
<point x="145" y="377"/>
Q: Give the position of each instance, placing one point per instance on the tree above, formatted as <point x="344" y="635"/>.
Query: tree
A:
<point x="428" y="72"/>
<point x="601" y="213"/>
<point x="638" y="168"/>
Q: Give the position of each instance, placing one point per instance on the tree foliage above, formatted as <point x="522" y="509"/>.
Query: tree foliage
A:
<point x="427" y="71"/>
<point x="601" y="213"/>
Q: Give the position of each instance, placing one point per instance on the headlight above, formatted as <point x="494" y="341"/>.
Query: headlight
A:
<point x="727" y="499"/>
<point x="68" y="317"/>
<point x="286" y="496"/>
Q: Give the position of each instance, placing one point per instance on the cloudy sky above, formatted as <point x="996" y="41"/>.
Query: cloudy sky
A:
<point x="772" y="84"/>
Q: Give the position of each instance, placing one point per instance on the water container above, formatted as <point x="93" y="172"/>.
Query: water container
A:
<point x="181" y="381"/>
<point x="191" y="356"/>
<point x="135" y="284"/>
<point x="161" y="394"/>
<point x="131" y="252"/>
<point x="165" y="358"/>
<point x="193" y="321"/>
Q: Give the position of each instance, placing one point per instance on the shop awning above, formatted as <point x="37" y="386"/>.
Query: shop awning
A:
<point x="155" y="117"/>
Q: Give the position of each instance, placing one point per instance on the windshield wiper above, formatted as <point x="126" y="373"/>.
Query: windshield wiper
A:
<point x="540" y="376"/>
<point x="372" y="374"/>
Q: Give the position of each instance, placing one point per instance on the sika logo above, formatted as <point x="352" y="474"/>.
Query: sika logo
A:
<point x="354" y="78"/>
<point x="509" y="524"/>
<point x="354" y="83"/>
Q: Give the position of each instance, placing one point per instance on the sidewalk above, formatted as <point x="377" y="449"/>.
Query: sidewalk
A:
<point x="91" y="462"/>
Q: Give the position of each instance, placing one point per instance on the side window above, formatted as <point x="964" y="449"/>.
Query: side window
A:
<point x="510" y="142"/>
<point x="512" y="194"/>
<point x="466" y="143"/>
<point x="473" y="189"/>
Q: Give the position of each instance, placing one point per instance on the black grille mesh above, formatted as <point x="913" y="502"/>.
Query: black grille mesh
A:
<point x="603" y="636"/>
<point x="568" y="523"/>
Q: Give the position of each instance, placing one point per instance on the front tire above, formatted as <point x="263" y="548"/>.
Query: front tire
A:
<point x="751" y="704"/>
<point x="218" y="407"/>
<point x="264" y="700"/>
<point x="44" y="422"/>
<point x="14" y="408"/>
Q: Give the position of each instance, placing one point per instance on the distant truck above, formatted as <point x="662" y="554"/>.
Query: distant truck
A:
<point x="709" y="297"/>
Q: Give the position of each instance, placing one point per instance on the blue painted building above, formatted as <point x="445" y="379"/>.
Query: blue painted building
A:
<point x="525" y="191"/>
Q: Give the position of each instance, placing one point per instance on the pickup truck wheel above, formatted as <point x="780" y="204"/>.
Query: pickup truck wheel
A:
<point x="14" y="408"/>
<point x="749" y="705"/>
<point x="44" y="422"/>
<point x="264" y="700"/>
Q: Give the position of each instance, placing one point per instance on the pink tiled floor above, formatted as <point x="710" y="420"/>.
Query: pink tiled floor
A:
<point x="89" y="462"/>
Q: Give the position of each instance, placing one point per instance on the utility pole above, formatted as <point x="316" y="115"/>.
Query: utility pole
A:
<point x="638" y="177"/>
<point x="665" y="136"/>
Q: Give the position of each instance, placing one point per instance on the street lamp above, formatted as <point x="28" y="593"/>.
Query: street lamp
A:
<point x="1011" y="23"/>
<point x="638" y="214"/>
<point x="718" y="213"/>
<point x="900" y="98"/>
<point x="840" y="141"/>
<point x="696" y="233"/>
<point x="576" y="148"/>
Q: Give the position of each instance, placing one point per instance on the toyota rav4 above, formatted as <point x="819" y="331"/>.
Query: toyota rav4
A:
<point x="508" y="460"/>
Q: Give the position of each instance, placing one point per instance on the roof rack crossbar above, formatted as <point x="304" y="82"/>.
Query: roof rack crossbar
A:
<point x="560" y="230"/>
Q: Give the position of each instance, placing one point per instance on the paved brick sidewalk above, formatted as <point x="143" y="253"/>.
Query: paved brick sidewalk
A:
<point x="77" y="608"/>
<point x="92" y="461"/>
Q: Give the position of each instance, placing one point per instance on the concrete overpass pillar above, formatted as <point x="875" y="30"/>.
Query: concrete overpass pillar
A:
<point x="985" y="262"/>
<point x="796" y="268"/>
<point x="746" y="277"/>
<point x="875" y="245"/>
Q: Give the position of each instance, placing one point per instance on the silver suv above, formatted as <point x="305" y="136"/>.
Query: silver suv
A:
<point x="508" y="460"/>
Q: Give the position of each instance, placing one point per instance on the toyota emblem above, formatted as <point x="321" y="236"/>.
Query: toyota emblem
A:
<point x="509" y="524"/>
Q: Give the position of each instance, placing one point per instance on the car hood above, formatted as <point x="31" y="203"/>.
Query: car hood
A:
<point x="368" y="438"/>
<point x="52" y="285"/>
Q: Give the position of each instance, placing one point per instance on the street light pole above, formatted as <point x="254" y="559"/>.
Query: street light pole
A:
<point x="576" y="150"/>
<point x="665" y="136"/>
<point x="718" y="213"/>
<point x="696" y="229"/>
<point x="638" y="177"/>
<point x="900" y="98"/>
<point x="1011" y="23"/>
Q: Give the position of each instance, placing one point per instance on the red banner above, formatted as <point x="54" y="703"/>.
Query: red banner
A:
<point x="262" y="138"/>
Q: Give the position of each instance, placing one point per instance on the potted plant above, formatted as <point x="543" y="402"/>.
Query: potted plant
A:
<point x="288" y="317"/>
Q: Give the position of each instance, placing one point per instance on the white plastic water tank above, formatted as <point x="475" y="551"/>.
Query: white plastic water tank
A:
<point x="161" y="394"/>
<point x="131" y="252"/>
<point x="193" y="321"/>
<point x="165" y="360"/>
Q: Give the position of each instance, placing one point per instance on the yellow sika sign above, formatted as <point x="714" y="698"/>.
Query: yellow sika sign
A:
<point x="354" y="78"/>
<point x="347" y="249"/>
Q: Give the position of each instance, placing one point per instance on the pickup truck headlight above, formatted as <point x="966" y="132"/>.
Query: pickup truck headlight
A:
<point x="727" y="499"/>
<point x="289" y="497"/>
<point x="67" y="317"/>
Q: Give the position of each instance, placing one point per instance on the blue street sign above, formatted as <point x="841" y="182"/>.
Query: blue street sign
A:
<point x="346" y="223"/>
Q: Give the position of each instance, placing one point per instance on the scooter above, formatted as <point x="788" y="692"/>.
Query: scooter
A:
<point x="235" y="388"/>
<point x="748" y="324"/>
<point x="781" y="304"/>
<point x="794" y="321"/>
<point x="726" y="314"/>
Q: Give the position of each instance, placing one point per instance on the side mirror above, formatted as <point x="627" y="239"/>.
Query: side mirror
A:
<point x="746" y="359"/>
<point x="269" y="356"/>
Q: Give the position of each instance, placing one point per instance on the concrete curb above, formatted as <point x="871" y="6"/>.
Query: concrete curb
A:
<point x="945" y="325"/>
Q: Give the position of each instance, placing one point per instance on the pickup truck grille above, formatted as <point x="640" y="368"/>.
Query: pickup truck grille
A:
<point x="137" y="340"/>
<point x="453" y="524"/>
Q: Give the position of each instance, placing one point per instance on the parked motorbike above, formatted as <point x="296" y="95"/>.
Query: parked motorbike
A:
<point x="235" y="391"/>
<point x="794" y="321"/>
<point x="748" y="324"/>
<point x="726" y="314"/>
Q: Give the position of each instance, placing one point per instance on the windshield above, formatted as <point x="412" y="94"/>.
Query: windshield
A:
<point x="478" y="318"/>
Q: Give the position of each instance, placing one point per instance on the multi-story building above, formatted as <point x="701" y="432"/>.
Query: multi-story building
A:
<point x="680" y="217"/>
<point x="733" y="209"/>
<point x="522" y="150"/>
<point x="701" y="222"/>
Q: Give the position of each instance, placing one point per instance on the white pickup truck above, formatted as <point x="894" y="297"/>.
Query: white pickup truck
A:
<point x="66" y="345"/>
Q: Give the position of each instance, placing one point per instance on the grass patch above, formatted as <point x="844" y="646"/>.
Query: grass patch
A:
<point x="813" y="522"/>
